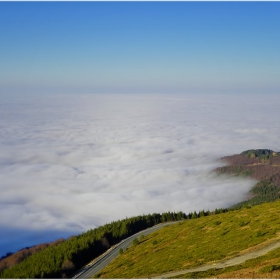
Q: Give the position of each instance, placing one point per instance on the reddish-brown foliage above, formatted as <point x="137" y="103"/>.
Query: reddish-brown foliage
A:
<point x="260" y="171"/>
<point x="240" y="160"/>
<point x="19" y="256"/>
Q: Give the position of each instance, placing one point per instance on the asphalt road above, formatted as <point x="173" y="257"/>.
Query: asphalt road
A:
<point x="93" y="268"/>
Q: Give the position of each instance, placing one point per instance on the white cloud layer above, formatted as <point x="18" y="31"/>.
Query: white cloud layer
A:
<point x="73" y="162"/>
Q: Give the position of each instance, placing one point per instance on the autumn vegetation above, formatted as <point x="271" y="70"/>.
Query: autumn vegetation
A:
<point x="10" y="259"/>
<point x="262" y="165"/>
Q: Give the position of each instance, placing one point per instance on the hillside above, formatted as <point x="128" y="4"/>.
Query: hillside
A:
<point x="10" y="260"/>
<point x="202" y="241"/>
<point x="258" y="164"/>
<point x="262" y="165"/>
<point x="63" y="258"/>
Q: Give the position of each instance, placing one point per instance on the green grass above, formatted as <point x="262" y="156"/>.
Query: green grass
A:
<point x="196" y="242"/>
<point x="267" y="266"/>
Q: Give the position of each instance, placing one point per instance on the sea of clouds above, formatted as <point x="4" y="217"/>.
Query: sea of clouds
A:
<point x="69" y="163"/>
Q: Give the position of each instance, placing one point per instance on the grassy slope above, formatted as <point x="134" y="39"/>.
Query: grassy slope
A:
<point x="195" y="242"/>
<point x="267" y="266"/>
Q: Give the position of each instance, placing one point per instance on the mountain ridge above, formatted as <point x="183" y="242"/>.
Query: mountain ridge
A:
<point x="260" y="164"/>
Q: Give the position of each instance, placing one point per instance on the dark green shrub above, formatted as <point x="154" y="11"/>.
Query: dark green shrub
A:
<point x="242" y="223"/>
<point x="135" y="242"/>
<point x="269" y="268"/>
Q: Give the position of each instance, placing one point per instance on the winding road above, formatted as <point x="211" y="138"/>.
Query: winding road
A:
<point x="97" y="265"/>
<point x="223" y="264"/>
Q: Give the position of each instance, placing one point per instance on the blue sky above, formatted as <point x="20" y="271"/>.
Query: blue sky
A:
<point x="139" y="47"/>
<point x="78" y="148"/>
